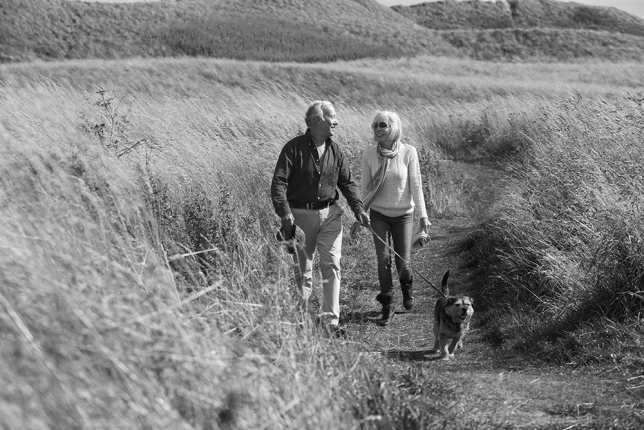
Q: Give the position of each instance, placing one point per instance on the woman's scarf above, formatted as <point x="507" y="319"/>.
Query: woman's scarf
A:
<point x="385" y="156"/>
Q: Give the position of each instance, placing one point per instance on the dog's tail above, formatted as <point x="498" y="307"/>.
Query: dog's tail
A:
<point x="444" y="286"/>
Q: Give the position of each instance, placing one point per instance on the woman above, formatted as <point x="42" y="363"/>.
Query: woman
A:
<point x="392" y="190"/>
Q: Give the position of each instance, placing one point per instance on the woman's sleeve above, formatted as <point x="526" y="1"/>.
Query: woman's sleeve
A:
<point x="416" y="183"/>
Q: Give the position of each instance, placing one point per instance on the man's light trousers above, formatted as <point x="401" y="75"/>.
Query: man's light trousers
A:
<point x="323" y="231"/>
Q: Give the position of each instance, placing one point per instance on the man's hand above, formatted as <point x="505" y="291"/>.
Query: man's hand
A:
<point x="287" y="225"/>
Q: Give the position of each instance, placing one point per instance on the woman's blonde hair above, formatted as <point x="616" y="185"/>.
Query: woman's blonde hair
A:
<point x="391" y="118"/>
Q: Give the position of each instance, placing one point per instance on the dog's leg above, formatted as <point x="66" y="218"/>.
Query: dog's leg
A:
<point x="453" y="345"/>
<point x="436" y="346"/>
<point x="444" y="345"/>
<point x="459" y="344"/>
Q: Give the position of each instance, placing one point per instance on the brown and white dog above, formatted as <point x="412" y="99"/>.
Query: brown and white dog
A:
<point x="452" y="317"/>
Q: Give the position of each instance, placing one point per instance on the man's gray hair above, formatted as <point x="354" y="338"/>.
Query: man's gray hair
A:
<point x="315" y="110"/>
<point x="393" y="120"/>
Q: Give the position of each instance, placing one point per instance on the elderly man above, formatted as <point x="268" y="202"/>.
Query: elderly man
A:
<point x="309" y="170"/>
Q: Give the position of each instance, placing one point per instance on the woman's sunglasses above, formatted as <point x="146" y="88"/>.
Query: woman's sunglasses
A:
<point x="378" y="125"/>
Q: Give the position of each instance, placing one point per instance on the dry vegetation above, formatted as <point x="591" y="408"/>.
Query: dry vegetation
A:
<point x="109" y="319"/>
<point x="141" y="284"/>
<point x="567" y="250"/>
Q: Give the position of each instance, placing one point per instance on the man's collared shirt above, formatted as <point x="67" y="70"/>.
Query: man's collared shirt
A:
<point x="301" y="176"/>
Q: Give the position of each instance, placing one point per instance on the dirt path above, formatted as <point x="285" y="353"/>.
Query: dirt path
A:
<point x="493" y="388"/>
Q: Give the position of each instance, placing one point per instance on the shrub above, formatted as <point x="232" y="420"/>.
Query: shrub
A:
<point x="110" y="123"/>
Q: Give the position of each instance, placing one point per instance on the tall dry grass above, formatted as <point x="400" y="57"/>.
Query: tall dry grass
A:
<point x="147" y="290"/>
<point x="565" y="254"/>
<point x="97" y="329"/>
<point x="401" y="84"/>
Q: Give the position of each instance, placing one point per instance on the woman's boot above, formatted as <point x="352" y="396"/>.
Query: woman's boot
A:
<point x="407" y="293"/>
<point x="387" y="309"/>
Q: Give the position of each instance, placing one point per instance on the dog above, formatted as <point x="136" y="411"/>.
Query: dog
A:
<point x="452" y="316"/>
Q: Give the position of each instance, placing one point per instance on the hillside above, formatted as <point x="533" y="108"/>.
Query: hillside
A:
<point x="274" y="30"/>
<point x="545" y="43"/>
<point x="532" y="29"/>
<point x="304" y="31"/>
<point x="504" y="14"/>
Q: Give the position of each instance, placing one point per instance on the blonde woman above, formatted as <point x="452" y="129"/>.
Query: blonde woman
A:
<point x="392" y="192"/>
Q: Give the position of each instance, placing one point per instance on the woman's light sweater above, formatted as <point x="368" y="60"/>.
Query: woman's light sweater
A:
<point x="402" y="191"/>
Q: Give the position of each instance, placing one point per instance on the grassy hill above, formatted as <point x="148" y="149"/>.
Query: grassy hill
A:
<point x="303" y="31"/>
<point x="475" y="14"/>
<point x="276" y="30"/>
<point x="524" y="29"/>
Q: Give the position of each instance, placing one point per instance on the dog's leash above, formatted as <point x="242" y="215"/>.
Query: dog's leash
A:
<point x="405" y="261"/>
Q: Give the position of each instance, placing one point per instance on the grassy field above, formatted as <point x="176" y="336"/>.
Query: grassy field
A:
<point x="141" y="285"/>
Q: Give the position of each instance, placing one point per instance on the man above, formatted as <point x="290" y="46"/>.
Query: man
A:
<point x="308" y="171"/>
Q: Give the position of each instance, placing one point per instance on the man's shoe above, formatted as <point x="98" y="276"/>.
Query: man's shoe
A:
<point x="387" y="315"/>
<point x="408" y="299"/>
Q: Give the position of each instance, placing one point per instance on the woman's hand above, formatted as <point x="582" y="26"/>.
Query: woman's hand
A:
<point x="424" y="224"/>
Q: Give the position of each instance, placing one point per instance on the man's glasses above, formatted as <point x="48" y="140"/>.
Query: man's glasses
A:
<point x="378" y="125"/>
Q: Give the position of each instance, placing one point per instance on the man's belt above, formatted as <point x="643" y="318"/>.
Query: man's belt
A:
<point x="314" y="205"/>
